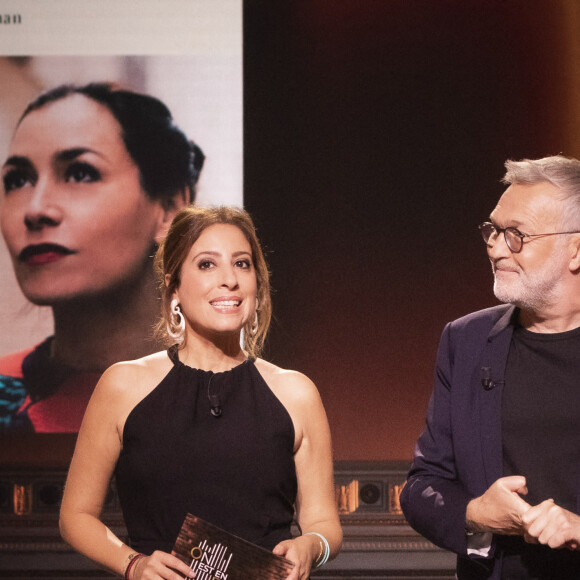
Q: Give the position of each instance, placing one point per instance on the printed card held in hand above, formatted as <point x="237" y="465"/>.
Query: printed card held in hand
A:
<point x="214" y="554"/>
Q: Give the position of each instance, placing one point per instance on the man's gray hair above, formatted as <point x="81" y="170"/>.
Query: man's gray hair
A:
<point x="562" y="172"/>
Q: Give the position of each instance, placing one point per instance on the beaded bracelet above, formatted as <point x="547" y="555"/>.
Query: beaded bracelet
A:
<point x="133" y="558"/>
<point x="326" y="549"/>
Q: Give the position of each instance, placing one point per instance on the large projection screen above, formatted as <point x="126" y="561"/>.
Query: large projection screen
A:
<point x="186" y="53"/>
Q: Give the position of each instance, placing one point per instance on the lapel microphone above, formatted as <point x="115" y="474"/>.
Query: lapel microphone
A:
<point x="216" y="408"/>
<point x="214" y="400"/>
<point x="486" y="382"/>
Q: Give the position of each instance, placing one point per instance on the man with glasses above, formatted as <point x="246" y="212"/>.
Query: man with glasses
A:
<point x="496" y="473"/>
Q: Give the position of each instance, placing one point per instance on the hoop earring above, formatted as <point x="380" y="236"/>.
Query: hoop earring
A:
<point x="255" y="324"/>
<point x="176" y="321"/>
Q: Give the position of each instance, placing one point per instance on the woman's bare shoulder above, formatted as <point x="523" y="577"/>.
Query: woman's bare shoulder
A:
<point x="125" y="384"/>
<point x="299" y="395"/>
<point x="285" y="381"/>
<point x="136" y="375"/>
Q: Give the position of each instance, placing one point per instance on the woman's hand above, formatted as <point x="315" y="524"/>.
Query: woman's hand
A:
<point x="302" y="551"/>
<point x="160" y="565"/>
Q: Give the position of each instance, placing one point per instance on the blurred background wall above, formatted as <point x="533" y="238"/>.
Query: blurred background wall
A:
<point x="374" y="141"/>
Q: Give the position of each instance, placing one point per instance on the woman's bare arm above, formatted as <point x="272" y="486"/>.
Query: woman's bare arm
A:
<point x="97" y="450"/>
<point x="316" y="505"/>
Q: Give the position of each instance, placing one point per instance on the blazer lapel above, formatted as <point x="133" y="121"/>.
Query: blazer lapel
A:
<point x="491" y="381"/>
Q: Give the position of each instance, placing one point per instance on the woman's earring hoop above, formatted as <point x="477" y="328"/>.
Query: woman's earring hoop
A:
<point x="255" y="325"/>
<point x="176" y="323"/>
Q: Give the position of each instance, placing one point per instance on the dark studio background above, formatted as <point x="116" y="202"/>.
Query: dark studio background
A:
<point x="375" y="137"/>
<point x="375" y="133"/>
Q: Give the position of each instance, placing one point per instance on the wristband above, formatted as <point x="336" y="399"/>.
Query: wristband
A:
<point x="133" y="558"/>
<point x="324" y="545"/>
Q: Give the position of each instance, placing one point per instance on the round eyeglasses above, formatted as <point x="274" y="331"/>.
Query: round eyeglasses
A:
<point x="514" y="239"/>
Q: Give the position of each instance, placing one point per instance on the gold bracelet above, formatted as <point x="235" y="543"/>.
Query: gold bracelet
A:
<point x="324" y="549"/>
<point x="320" y="552"/>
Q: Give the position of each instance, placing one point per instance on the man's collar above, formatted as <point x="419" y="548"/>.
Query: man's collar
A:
<point x="509" y="317"/>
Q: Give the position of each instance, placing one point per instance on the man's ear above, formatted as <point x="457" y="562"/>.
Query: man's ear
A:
<point x="574" y="247"/>
<point x="170" y="206"/>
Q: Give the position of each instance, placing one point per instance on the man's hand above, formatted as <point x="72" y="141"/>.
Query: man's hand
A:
<point x="500" y="509"/>
<point x="549" y="524"/>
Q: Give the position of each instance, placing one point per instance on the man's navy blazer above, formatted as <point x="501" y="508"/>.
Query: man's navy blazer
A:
<point x="459" y="454"/>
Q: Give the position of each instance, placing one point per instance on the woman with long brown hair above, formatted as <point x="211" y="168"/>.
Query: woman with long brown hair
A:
<point x="205" y="427"/>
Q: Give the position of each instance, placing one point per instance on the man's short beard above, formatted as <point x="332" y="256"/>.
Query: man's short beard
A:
<point x="532" y="299"/>
<point x="536" y="291"/>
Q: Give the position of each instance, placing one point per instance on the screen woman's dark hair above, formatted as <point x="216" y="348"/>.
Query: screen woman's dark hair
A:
<point x="167" y="160"/>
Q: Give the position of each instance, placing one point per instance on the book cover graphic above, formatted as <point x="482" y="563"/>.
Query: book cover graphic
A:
<point x="214" y="554"/>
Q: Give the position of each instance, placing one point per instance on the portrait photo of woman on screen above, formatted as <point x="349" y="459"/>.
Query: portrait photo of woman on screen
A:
<point x="93" y="177"/>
